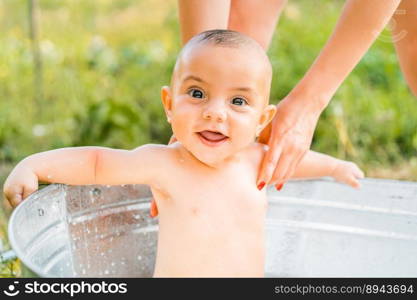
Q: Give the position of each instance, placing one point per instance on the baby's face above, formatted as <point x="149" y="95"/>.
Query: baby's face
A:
<point x="218" y="101"/>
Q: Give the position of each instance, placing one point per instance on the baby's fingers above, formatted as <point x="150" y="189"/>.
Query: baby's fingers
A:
<point x="358" y="173"/>
<point x="28" y="190"/>
<point x="13" y="195"/>
<point x="353" y="182"/>
<point x="17" y="193"/>
<point x="15" y="201"/>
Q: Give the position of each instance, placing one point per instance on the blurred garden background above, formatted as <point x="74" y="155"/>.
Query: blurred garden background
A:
<point x="89" y="73"/>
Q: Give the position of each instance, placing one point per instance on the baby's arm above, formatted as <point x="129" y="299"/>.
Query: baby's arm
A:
<point x="316" y="164"/>
<point x="82" y="166"/>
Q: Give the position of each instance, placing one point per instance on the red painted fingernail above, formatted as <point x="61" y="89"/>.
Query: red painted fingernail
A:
<point x="279" y="186"/>
<point x="261" y="185"/>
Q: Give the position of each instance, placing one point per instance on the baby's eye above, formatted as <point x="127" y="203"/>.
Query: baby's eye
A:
<point x="196" y="93"/>
<point x="239" y="101"/>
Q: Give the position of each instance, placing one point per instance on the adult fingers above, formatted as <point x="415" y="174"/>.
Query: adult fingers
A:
<point x="281" y="167"/>
<point x="268" y="165"/>
<point x="290" y="161"/>
<point x="154" y="209"/>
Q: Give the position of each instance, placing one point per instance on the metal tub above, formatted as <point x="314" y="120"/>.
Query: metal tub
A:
<point x="315" y="228"/>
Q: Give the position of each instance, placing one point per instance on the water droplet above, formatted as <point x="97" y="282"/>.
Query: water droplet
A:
<point x="139" y="257"/>
<point x="95" y="192"/>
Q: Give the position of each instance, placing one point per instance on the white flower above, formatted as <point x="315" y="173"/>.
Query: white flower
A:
<point x="49" y="51"/>
<point x="39" y="130"/>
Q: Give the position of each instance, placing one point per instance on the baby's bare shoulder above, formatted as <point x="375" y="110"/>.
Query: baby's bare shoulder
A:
<point x="256" y="152"/>
<point x="154" y="153"/>
<point x="158" y="160"/>
<point x="168" y="155"/>
<point x="151" y="149"/>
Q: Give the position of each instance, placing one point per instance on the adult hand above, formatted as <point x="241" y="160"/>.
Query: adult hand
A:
<point x="289" y="137"/>
<point x="154" y="209"/>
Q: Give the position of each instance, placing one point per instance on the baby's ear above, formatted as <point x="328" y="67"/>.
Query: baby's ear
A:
<point x="167" y="101"/>
<point x="266" y="117"/>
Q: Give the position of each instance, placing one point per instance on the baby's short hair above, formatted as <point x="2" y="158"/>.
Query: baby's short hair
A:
<point x="222" y="38"/>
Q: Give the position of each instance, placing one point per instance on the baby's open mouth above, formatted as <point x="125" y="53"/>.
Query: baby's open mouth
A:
<point x="212" y="137"/>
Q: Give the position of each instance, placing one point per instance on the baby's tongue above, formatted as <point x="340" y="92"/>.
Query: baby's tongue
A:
<point x="212" y="136"/>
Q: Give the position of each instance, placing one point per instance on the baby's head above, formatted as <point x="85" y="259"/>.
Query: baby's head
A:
<point x="218" y="99"/>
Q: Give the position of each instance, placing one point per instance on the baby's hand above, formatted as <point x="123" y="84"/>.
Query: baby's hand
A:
<point x="20" y="183"/>
<point x="347" y="172"/>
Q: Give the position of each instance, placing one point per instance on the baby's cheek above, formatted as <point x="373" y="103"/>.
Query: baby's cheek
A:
<point x="245" y="136"/>
<point x="180" y="127"/>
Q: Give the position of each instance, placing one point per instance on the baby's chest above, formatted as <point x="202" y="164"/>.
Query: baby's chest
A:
<point x="234" y="192"/>
<point x="190" y="187"/>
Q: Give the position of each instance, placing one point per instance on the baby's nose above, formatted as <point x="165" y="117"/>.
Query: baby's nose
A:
<point x="217" y="114"/>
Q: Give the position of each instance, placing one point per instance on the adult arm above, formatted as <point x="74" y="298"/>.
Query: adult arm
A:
<point x="290" y="134"/>
<point x="404" y="36"/>
<point x="196" y="16"/>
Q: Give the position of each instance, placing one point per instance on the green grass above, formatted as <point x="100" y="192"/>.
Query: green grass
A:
<point x="105" y="61"/>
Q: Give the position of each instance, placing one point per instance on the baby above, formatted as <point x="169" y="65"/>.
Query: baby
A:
<point x="211" y="213"/>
